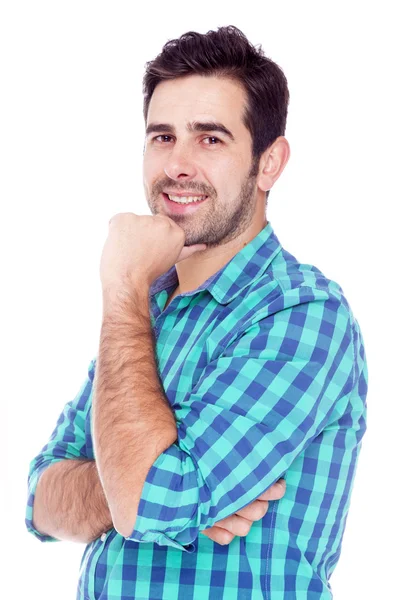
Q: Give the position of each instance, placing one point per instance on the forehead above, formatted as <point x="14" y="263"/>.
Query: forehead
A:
<point x="196" y="97"/>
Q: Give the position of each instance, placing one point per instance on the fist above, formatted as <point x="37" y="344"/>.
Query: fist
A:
<point x="140" y="248"/>
<point x="240" y="523"/>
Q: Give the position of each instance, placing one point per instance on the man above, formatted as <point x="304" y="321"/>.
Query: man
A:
<point x="224" y="364"/>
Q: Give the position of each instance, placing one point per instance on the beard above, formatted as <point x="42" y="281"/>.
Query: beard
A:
<point x="214" y="223"/>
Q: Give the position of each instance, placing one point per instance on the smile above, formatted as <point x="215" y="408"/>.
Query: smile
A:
<point x="183" y="204"/>
<point x="186" y="199"/>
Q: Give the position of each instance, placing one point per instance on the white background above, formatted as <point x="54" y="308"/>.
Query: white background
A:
<point x="71" y="136"/>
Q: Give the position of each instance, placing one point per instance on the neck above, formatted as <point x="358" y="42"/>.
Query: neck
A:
<point x="197" y="268"/>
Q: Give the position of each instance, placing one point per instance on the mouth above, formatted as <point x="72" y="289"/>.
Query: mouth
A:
<point x="185" y="206"/>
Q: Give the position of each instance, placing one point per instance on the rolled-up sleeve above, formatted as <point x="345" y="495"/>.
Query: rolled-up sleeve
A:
<point x="277" y="384"/>
<point x="67" y="441"/>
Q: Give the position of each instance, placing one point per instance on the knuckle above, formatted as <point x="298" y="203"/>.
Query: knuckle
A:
<point x="259" y="510"/>
<point x="223" y="523"/>
<point x="263" y="510"/>
<point x="282" y="483"/>
<point x="244" y="528"/>
<point x="163" y="219"/>
<point x="227" y="538"/>
<point x="179" y="230"/>
<point x="265" y="495"/>
<point x="256" y="513"/>
<point x="275" y="492"/>
<point x="219" y="535"/>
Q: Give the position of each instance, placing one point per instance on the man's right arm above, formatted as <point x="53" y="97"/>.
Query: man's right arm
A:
<point x="66" y="500"/>
<point x="65" y="497"/>
<point x="70" y="503"/>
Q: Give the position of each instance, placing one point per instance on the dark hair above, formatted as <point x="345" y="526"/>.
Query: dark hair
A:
<point x="228" y="53"/>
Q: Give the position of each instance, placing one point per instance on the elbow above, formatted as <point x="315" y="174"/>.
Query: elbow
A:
<point x="124" y="513"/>
<point x="124" y="524"/>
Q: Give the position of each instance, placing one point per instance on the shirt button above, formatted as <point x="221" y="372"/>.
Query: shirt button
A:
<point x="103" y="536"/>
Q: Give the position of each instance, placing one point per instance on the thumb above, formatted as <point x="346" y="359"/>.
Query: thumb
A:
<point x="189" y="250"/>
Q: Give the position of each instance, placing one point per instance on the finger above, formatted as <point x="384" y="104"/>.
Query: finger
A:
<point x="275" y="492"/>
<point x="189" y="250"/>
<point x="219" y="535"/>
<point x="235" y="524"/>
<point x="254" y="511"/>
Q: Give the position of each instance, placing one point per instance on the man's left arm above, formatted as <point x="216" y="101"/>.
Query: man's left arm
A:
<point x="133" y="422"/>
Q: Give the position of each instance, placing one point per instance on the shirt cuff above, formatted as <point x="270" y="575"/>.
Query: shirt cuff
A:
<point x="158" y="537"/>
<point x="32" y="485"/>
<point x="168" y="509"/>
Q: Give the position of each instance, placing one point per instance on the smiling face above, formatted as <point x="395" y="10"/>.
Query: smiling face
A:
<point x="185" y="154"/>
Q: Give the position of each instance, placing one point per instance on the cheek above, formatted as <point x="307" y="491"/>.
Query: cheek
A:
<point x="148" y="166"/>
<point x="152" y="172"/>
<point x="226" y="179"/>
<point x="224" y="170"/>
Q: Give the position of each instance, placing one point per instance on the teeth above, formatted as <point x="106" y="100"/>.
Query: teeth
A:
<point x="186" y="199"/>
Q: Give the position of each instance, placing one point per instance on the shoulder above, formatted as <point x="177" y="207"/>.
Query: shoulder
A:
<point x="288" y="283"/>
<point x="292" y="300"/>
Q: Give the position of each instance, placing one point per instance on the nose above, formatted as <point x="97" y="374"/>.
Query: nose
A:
<point x="180" y="163"/>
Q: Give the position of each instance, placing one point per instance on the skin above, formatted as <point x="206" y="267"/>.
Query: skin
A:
<point x="208" y="163"/>
<point x="141" y="248"/>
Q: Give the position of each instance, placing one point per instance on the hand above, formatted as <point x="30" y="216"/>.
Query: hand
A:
<point x="140" y="248"/>
<point x="240" y="523"/>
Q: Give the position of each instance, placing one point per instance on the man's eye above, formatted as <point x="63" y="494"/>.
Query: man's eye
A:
<point x="161" y="136"/>
<point x="212" y="137"/>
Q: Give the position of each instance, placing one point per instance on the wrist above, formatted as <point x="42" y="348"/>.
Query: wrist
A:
<point x="124" y="301"/>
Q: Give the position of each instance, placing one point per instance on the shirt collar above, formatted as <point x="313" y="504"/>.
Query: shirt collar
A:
<point x="242" y="270"/>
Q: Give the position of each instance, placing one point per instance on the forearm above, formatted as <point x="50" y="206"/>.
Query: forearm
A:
<point x="70" y="503"/>
<point x="133" y="422"/>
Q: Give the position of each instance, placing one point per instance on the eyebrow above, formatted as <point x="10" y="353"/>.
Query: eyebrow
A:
<point x="193" y="126"/>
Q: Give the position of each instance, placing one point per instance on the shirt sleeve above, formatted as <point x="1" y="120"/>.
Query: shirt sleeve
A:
<point x="277" y="384"/>
<point x="67" y="441"/>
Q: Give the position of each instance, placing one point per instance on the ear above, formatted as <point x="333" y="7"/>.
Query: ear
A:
<point x="272" y="163"/>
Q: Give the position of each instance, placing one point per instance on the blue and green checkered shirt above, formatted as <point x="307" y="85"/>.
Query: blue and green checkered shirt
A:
<point x="264" y="367"/>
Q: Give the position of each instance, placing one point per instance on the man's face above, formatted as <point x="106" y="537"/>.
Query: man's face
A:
<point x="213" y="163"/>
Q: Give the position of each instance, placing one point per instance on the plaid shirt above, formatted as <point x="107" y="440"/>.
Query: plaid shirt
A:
<point x="264" y="367"/>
